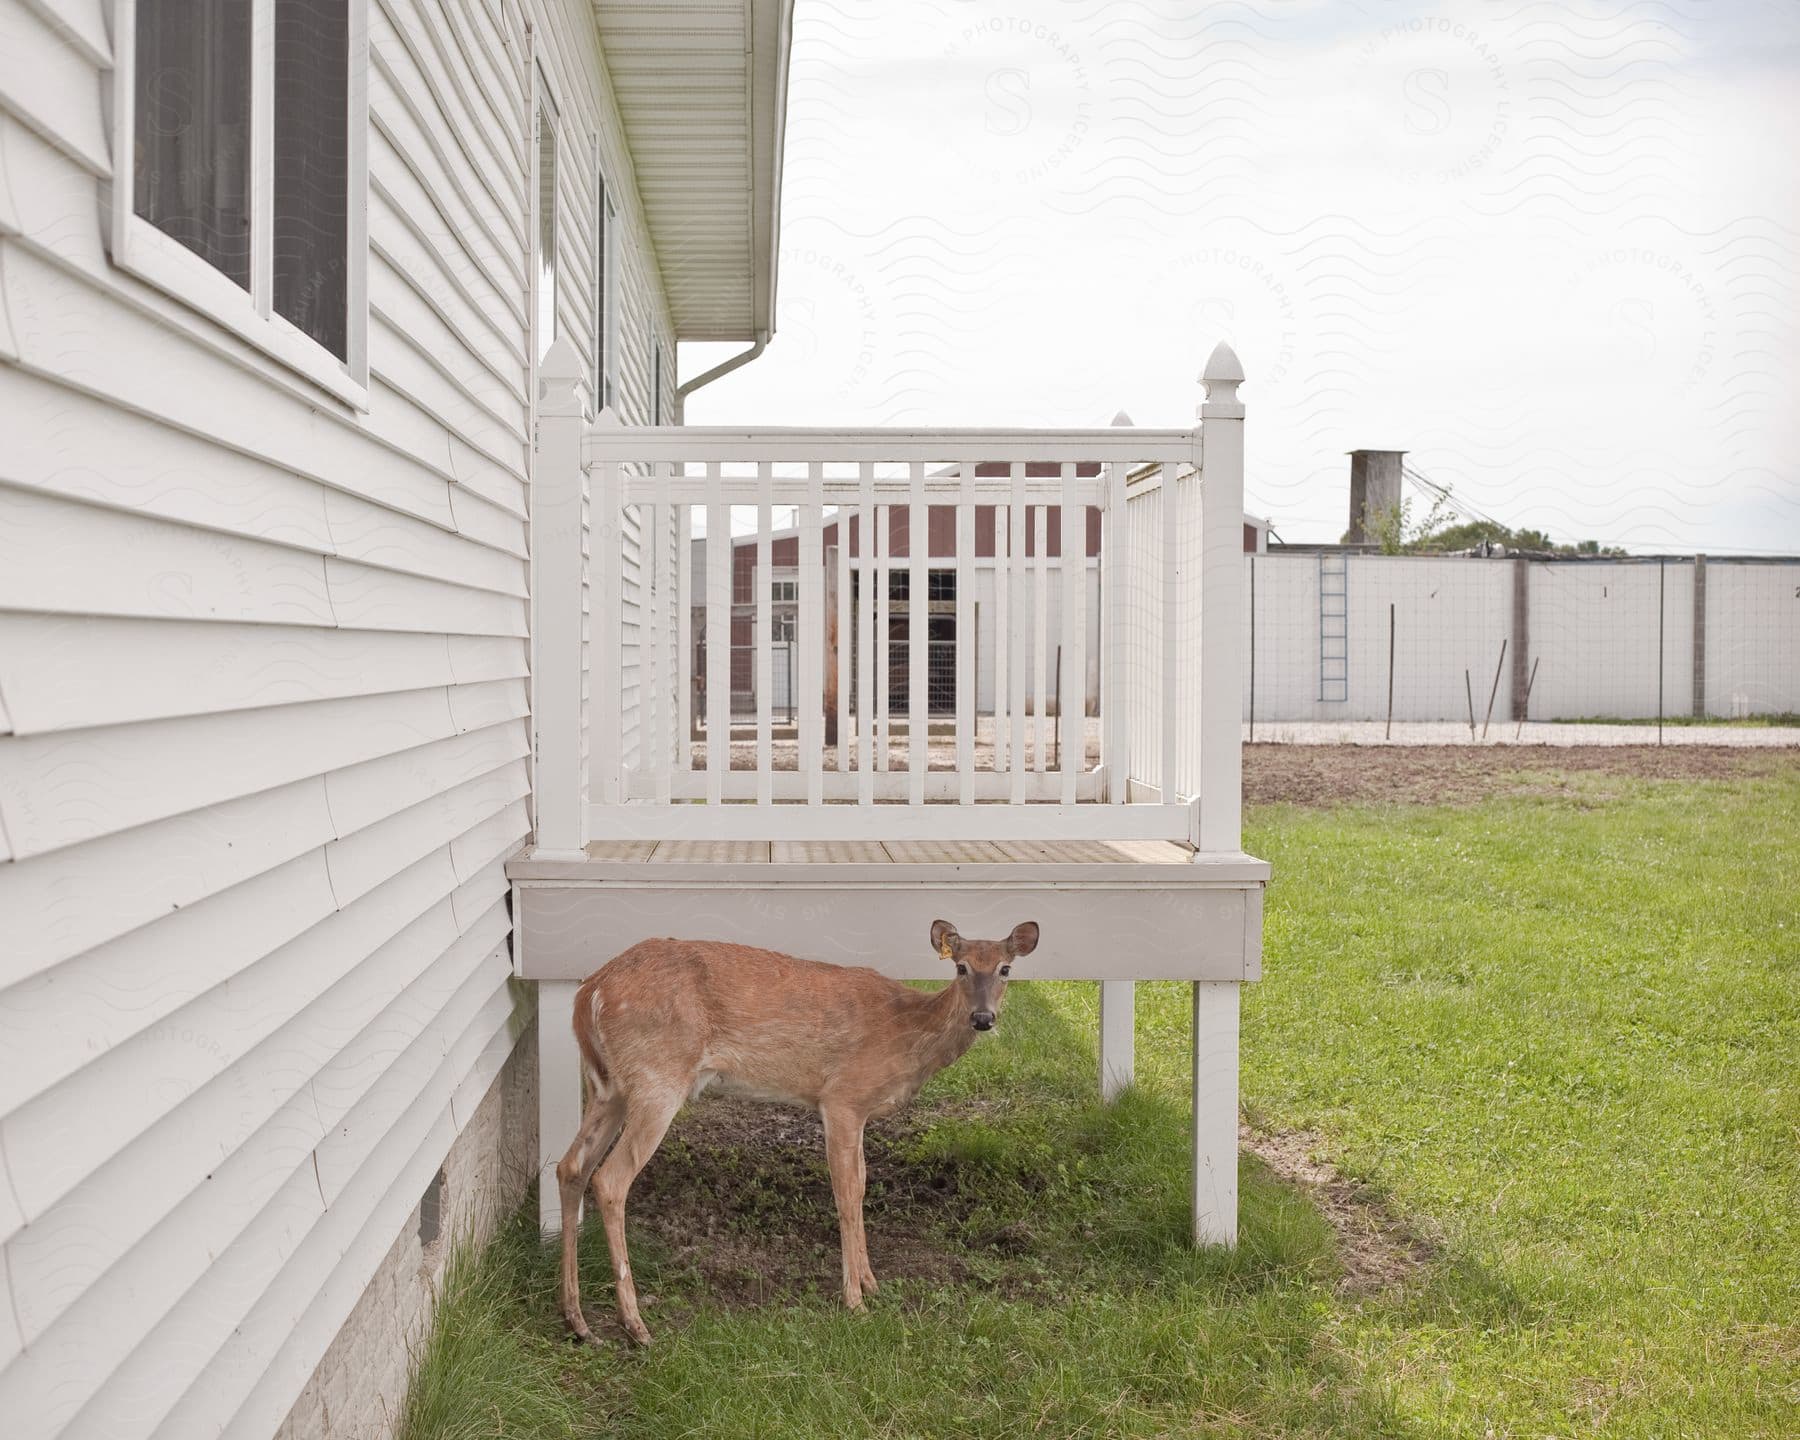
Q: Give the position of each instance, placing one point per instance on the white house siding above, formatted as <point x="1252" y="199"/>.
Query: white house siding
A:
<point x="263" y="732"/>
<point x="590" y="143"/>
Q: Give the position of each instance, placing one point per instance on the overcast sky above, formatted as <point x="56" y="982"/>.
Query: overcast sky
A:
<point x="1548" y="248"/>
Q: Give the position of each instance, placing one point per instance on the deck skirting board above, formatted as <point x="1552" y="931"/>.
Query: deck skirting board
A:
<point x="1139" y="930"/>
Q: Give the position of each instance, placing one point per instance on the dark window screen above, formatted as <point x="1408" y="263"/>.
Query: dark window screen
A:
<point x="602" y="254"/>
<point x="312" y="168"/>
<point x="191" y="169"/>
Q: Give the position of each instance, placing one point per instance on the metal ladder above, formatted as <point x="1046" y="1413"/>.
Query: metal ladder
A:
<point x="1334" y="628"/>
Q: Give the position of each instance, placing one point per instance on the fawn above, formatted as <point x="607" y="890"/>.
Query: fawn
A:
<point x="667" y="1018"/>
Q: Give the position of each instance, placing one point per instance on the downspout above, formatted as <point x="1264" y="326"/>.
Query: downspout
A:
<point x="725" y="367"/>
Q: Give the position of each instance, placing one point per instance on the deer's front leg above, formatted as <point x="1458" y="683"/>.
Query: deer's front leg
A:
<point x="844" y="1154"/>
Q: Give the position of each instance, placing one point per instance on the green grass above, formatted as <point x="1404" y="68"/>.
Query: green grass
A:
<point x="1559" y="1036"/>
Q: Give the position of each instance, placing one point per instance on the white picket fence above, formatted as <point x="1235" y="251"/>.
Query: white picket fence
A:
<point x="617" y="506"/>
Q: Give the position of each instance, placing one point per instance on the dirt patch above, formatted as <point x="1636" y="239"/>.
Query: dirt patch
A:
<point x="740" y="1193"/>
<point x="1379" y="1249"/>
<point x="1325" y="775"/>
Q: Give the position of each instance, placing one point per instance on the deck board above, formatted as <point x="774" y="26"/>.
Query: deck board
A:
<point x="620" y="849"/>
<point x="891" y="852"/>
<point x="828" y="852"/>
<point x="711" y="852"/>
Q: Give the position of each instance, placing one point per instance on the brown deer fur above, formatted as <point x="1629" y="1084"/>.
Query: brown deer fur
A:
<point x="662" y="1021"/>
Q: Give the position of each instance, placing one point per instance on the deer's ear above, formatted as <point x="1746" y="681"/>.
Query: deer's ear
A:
<point x="944" y="938"/>
<point x="1023" y="939"/>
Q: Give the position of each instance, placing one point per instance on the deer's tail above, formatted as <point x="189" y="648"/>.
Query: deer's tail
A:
<point x="586" y="1019"/>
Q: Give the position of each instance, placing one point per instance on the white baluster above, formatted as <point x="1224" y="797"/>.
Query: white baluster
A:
<point x="845" y="632"/>
<point x="883" y="638"/>
<point x="1172" y="637"/>
<point x="606" y="613"/>
<point x="1114" y="670"/>
<point x="1040" y="634"/>
<point x="966" y="678"/>
<point x="718" y="636"/>
<point x="764" y="639"/>
<point x="810" y="621"/>
<point x="684" y="636"/>
<point x="653" y="747"/>
<point x="865" y="638"/>
<point x="1071" y="704"/>
<point x="918" y="633"/>
<point x="1002" y="638"/>
<point x="1016" y="686"/>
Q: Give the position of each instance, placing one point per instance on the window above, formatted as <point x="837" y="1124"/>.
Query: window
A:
<point x="606" y="299"/>
<point x="240" y="158"/>
<point x="310" y="233"/>
<point x="546" y="227"/>
<point x="784" y="592"/>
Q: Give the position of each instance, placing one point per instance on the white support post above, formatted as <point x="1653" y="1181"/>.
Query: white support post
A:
<point x="1118" y="1036"/>
<point x="1215" y="1111"/>
<point x="1221" y="464"/>
<point x="1118" y="998"/>
<point x="559" y="1092"/>
<point x="1221" y="603"/>
<point x="559" y="786"/>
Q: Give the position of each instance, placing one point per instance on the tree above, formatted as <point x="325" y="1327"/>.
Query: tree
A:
<point x="1470" y="533"/>
<point x="1396" y="532"/>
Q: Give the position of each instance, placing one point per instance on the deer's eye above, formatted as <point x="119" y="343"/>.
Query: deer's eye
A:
<point x="1006" y="969"/>
<point x="961" y="969"/>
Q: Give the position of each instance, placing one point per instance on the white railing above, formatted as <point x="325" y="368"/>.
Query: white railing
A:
<point x="1005" y="516"/>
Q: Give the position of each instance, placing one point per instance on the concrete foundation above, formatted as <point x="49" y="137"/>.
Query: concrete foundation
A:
<point x="358" y="1391"/>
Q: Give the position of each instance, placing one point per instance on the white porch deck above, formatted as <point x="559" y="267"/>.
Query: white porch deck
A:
<point x="848" y="843"/>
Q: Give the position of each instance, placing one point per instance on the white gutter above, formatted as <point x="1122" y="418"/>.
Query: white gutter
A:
<point x="743" y="357"/>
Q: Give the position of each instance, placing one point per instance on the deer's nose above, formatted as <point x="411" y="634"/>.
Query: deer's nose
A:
<point x="982" y="1019"/>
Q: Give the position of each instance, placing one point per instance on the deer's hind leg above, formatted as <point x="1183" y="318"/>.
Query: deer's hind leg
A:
<point x="844" y="1154"/>
<point x="600" y="1121"/>
<point x="646" y="1122"/>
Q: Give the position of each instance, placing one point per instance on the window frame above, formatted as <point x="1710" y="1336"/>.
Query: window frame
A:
<point x="606" y="290"/>
<point x="162" y="261"/>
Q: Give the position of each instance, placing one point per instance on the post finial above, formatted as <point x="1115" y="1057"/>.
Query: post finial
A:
<point x="1123" y="419"/>
<point x="1222" y="376"/>
<point x="562" y="378"/>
